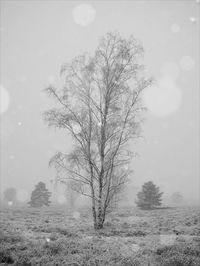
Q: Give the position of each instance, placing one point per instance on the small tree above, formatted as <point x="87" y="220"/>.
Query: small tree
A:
<point x="149" y="196"/>
<point x="10" y="195"/>
<point x="40" y="196"/>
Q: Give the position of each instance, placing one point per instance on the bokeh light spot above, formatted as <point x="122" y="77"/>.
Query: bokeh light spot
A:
<point x="192" y="19"/>
<point x="84" y="14"/>
<point x="10" y="203"/>
<point x="4" y="100"/>
<point x="162" y="99"/>
<point x="187" y="63"/>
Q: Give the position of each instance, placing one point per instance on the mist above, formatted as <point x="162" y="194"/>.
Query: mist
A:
<point x="168" y="153"/>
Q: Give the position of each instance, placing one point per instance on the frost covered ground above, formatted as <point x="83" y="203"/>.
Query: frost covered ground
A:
<point x="56" y="236"/>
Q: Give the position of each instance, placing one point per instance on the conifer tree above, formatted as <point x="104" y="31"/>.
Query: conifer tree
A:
<point x="40" y="196"/>
<point x="149" y="197"/>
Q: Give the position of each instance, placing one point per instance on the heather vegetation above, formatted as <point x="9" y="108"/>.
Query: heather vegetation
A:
<point x="54" y="236"/>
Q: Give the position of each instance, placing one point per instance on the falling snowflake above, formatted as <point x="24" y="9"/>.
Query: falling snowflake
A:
<point x="19" y="124"/>
<point x="48" y="239"/>
<point x="193" y="19"/>
<point x="84" y="14"/>
<point x="76" y="129"/>
<point x="11" y="157"/>
<point x="10" y="203"/>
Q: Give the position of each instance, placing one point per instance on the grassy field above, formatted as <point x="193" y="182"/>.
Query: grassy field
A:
<point x="55" y="236"/>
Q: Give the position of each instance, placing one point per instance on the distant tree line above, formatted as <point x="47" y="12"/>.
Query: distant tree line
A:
<point x="39" y="197"/>
<point x="148" y="198"/>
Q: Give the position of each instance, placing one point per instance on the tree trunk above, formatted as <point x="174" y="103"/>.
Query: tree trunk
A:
<point x="93" y="207"/>
<point x="94" y="217"/>
<point x="100" y="217"/>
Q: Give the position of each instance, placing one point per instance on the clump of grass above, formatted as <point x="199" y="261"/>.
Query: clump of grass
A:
<point x="108" y="224"/>
<point x="54" y="236"/>
<point x="11" y="237"/>
<point x="65" y="232"/>
<point x="53" y="248"/>
<point x="124" y="214"/>
<point x="137" y="233"/>
<point x="6" y="256"/>
<point x="184" y="254"/>
<point x="180" y="260"/>
<point x="126" y="225"/>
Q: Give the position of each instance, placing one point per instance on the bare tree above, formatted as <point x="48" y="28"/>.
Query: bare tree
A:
<point x="100" y="105"/>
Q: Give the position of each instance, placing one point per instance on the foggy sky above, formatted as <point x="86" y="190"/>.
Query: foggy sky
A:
<point x="37" y="37"/>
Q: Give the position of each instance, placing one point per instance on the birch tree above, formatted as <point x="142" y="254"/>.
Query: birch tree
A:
<point x="100" y="106"/>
